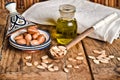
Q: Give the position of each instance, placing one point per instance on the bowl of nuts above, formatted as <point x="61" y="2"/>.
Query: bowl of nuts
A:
<point x="30" y="38"/>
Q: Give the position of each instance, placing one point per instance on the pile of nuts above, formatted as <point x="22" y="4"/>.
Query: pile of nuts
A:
<point x="50" y="64"/>
<point x="45" y="64"/>
<point x="31" y="37"/>
<point x="101" y="58"/>
<point x="58" y="52"/>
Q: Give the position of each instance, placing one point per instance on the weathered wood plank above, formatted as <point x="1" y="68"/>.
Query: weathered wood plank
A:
<point x="83" y="72"/>
<point x="14" y="61"/>
<point x="34" y="76"/>
<point x="103" y="71"/>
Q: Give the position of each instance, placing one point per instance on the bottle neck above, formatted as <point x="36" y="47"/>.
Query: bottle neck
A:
<point x="67" y="16"/>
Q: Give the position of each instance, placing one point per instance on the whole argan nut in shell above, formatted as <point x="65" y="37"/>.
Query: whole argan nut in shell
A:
<point x="19" y="37"/>
<point x="21" y="41"/>
<point x="32" y="30"/>
<point x="28" y="38"/>
<point x="34" y="42"/>
<point x="35" y="36"/>
<point x="41" y="39"/>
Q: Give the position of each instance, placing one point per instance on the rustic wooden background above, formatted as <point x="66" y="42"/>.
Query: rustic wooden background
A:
<point x="24" y="4"/>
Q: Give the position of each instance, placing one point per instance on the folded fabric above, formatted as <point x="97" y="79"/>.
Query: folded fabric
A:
<point x="87" y="15"/>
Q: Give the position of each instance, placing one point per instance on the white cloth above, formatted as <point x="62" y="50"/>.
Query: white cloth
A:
<point x="87" y="14"/>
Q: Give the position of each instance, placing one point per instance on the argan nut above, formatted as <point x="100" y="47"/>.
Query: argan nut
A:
<point x="21" y="41"/>
<point x="69" y="66"/>
<point x="32" y="29"/>
<point x="66" y="70"/>
<point x="40" y="67"/>
<point x="35" y="63"/>
<point x="96" y="61"/>
<point x="44" y="57"/>
<point x="28" y="38"/>
<point x="41" y="39"/>
<point x="51" y="69"/>
<point x="28" y="57"/>
<point x="19" y="37"/>
<point x="44" y="65"/>
<point x="51" y="65"/>
<point x="79" y="58"/>
<point x="118" y="58"/>
<point x="56" y="68"/>
<point x="34" y="42"/>
<point x="28" y="64"/>
<point x="76" y="67"/>
<point x="35" y="36"/>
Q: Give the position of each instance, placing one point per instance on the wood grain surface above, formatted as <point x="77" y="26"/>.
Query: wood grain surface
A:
<point x="13" y="62"/>
<point x="13" y="67"/>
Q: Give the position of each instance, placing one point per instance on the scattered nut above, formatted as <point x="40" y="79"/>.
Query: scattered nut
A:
<point x="71" y="59"/>
<point x="56" y="68"/>
<point x="79" y="54"/>
<point x="45" y="61"/>
<point x="69" y="66"/>
<point x="104" y="61"/>
<point x="118" y="58"/>
<point x="35" y="63"/>
<point x="96" y="61"/>
<point x="66" y="70"/>
<point x="44" y="57"/>
<point x="51" y="69"/>
<point x="40" y="67"/>
<point x="28" y="64"/>
<point x="111" y="56"/>
<point x="44" y="65"/>
<point x="51" y="65"/>
<point x="28" y="57"/>
<point x="98" y="52"/>
<point x="79" y="58"/>
<point x="76" y="66"/>
<point x="91" y="57"/>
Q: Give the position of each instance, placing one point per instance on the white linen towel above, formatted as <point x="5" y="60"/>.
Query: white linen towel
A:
<point x="87" y="14"/>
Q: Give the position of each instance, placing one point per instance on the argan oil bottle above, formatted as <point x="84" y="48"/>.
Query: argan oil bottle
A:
<point x="66" y="28"/>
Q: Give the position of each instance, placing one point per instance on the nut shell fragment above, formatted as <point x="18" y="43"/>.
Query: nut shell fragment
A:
<point x="58" y="51"/>
<point x="51" y="69"/>
<point x="56" y="68"/>
<point x="28" y="57"/>
<point x="28" y="64"/>
<point x="69" y="66"/>
<point x="96" y="61"/>
<point x="66" y="70"/>
<point x="40" y="67"/>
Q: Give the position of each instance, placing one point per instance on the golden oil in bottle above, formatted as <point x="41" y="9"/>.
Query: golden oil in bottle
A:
<point x="66" y="28"/>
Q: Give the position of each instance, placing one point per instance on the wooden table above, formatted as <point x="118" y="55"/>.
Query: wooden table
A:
<point x="13" y="67"/>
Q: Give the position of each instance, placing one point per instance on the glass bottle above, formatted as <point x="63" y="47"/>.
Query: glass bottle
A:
<point x="66" y="28"/>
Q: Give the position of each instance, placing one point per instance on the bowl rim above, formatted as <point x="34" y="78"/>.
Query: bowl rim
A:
<point x="30" y="46"/>
<point x="38" y="48"/>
